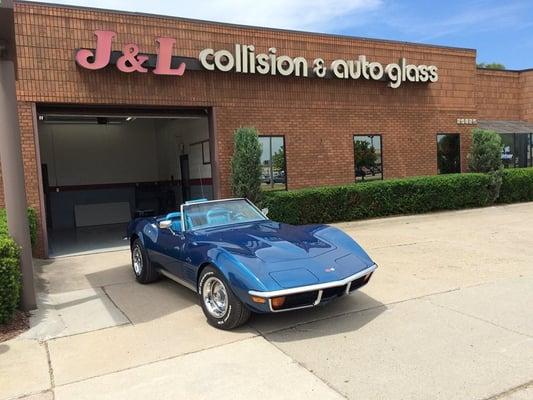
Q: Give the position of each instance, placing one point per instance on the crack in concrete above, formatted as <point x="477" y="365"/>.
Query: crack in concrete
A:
<point x="83" y="333"/>
<point x="384" y="305"/>
<point x="50" y="368"/>
<point x="155" y="361"/>
<point x="300" y="364"/>
<point x="510" y="391"/>
<point x="26" y="395"/>
<point x="479" y="319"/>
<point x="116" y="305"/>
<point x="403" y="244"/>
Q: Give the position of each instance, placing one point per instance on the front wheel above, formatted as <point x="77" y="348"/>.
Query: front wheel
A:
<point x="142" y="267"/>
<point x="221" y="307"/>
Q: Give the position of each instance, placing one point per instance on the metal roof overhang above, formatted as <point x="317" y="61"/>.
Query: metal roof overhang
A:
<point x="506" y="126"/>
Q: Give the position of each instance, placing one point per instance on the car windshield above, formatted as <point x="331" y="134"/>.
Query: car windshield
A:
<point x="219" y="213"/>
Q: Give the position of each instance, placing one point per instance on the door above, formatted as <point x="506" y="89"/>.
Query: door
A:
<point x="46" y="191"/>
<point x="185" y="178"/>
<point x="169" y="251"/>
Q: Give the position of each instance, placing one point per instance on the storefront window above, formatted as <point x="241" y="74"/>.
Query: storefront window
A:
<point x="273" y="163"/>
<point x="448" y="153"/>
<point x="517" y="150"/>
<point x="368" y="158"/>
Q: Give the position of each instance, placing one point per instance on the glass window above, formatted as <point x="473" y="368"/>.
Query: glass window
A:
<point x="367" y="157"/>
<point x="516" y="151"/>
<point x="273" y="163"/>
<point x="530" y="157"/>
<point x="448" y="153"/>
<point x="206" y="155"/>
<point x="218" y="213"/>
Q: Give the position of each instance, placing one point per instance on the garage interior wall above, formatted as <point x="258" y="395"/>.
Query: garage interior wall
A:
<point x="78" y="155"/>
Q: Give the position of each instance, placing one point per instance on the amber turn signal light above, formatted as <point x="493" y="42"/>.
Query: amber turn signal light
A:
<point x="277" y="302"/>
<point x="257" y="299"/>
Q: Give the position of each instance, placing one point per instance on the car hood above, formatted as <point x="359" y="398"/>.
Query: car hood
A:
<point x="269" y="241"/>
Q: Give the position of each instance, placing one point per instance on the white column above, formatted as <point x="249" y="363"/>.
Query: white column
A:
<point x="13" y="178"/>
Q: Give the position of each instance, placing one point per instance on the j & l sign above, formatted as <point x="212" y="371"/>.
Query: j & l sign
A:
<point x="244" y="60"/>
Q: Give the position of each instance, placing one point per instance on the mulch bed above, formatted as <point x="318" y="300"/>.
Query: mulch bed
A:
<point x="18" y="324"/>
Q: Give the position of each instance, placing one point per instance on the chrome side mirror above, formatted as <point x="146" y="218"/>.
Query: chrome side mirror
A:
<point x="265" y="211"/>
<point x="165" y="224"/>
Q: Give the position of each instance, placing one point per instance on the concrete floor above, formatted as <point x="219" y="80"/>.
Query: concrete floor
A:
<point x="87" y="240"/>
<point x="446" y="316"/>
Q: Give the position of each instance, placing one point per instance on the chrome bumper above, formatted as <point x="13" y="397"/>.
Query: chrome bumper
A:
<point x="320" y="287"/>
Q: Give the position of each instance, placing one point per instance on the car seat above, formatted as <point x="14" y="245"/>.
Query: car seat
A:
<point x="175" y="217"/>
<point x="217" y="216"/>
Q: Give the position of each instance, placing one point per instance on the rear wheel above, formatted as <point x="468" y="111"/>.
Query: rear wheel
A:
<point x="142" y="267"/>
<point x="221" y="307"/>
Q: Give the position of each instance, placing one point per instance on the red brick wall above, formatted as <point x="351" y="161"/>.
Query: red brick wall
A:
<point x="504" y="95"/>
<point x="317" y="116"/>
<point x="319" y="143"/>
<point x="526" y="80"/>
<point x="498" y="95"/>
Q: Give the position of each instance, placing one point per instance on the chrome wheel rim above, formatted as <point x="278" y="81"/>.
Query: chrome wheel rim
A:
<point x="137" y="260"/>
<point x="215" y="297"/>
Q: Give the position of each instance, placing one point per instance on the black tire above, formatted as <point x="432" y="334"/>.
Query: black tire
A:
<point x="147" y="273"/>
<point x="236" y="312"/>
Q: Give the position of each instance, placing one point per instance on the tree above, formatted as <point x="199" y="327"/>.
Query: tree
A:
<point x="278" y="160"/>
<point x="246" y="165"/>
<point x="486" y="156"/>
<point x="486" y="151"/>
<point x="493" y="65"/>
<point x="365" y="156"/>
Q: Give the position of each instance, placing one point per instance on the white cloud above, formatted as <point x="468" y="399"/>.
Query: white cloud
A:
<point x="317" y="15"/>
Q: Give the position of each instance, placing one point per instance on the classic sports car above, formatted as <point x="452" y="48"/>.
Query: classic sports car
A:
<point x="239" y="261"/>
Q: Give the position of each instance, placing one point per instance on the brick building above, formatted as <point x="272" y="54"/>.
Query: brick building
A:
<point x="102" y="145"/>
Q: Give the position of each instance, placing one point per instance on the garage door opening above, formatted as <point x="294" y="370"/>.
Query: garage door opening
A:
<point x="100" y="170"/>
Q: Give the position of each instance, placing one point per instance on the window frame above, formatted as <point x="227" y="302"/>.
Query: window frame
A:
<point x="284" y="155"/>
<point x="201" y="143"/>
<point x="460" y="151"/>
<point x="380" y="156"/>
<point x="529" y="157"/>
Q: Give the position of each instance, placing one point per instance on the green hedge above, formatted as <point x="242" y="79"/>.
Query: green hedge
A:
<point x="32" y="220"/>
<point x="517" y="185"/>
<point x="377" y="199"/>
<point x="10" y="278"/>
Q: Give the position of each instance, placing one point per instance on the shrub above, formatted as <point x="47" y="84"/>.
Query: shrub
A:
<point x="517" y="185"/>
<point x="32" y="220"/>
<point x="486" y="151"/>
<point x="246" y="165"/>
<point x="10" y="279"/>
<point x="377" y="199"/>
<point x="486" y="156"/>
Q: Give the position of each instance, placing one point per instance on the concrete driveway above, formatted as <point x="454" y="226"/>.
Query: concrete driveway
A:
<point x="448" y="315"/>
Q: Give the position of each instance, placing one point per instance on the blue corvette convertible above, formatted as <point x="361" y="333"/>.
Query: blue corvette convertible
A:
<point x="239" y="261"/>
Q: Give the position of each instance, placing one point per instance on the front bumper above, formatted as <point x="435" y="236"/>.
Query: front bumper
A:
<point x="312" y="295"/>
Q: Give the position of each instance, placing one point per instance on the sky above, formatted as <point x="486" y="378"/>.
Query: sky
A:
<point x="501" y="31"/>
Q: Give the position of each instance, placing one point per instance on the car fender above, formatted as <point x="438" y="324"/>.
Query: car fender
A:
<point x="240" y="278"/>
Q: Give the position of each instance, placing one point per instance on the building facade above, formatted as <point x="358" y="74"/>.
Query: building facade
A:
<point x="97" y="143"/>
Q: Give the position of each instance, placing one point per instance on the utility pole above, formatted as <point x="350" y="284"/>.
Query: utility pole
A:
<point x="11" y="153"/>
